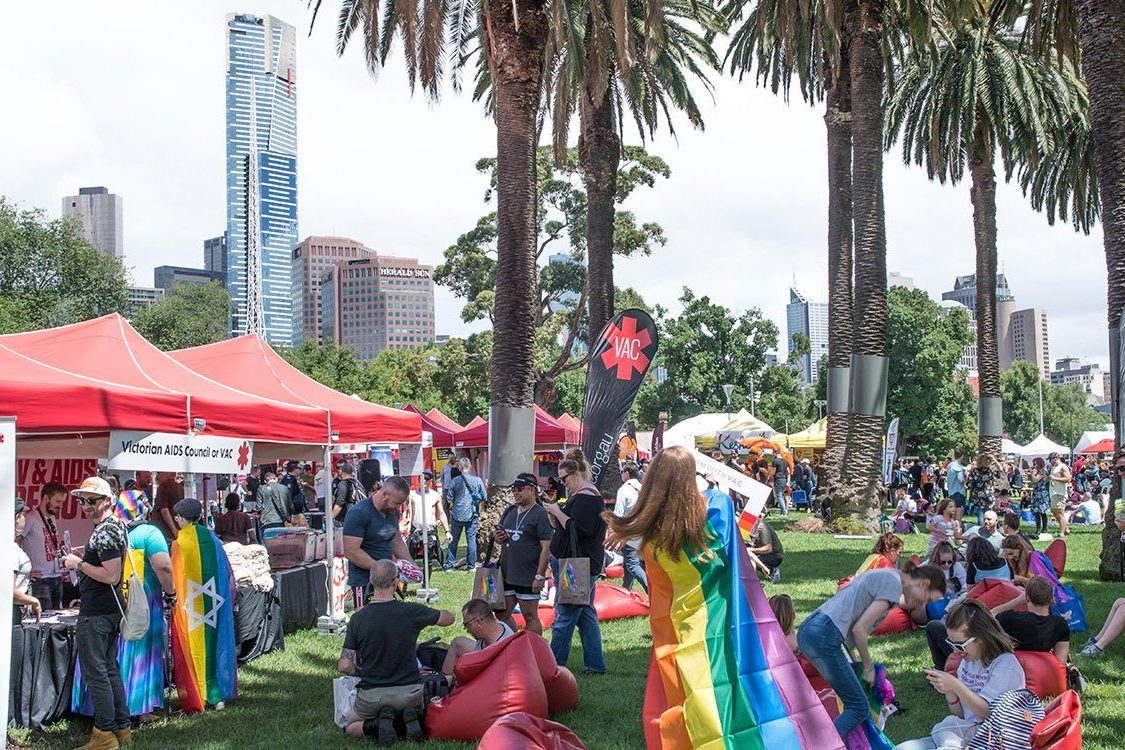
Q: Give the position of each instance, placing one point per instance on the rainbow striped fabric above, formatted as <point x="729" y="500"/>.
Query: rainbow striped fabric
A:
<point x="722" y="675"/>
<point x="204" y="653"/>
<point x="131" y="504"/>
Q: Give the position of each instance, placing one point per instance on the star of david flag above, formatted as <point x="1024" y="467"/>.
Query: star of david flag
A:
<point x="204" y="655"/>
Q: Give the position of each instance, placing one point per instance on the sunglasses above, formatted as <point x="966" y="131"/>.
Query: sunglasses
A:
<point x="467" y="623"/>
<point x="960" y="647"/>
<point x="564" y="477"/>
<point x="90" y="500"/>
<point x="945" y="563"/>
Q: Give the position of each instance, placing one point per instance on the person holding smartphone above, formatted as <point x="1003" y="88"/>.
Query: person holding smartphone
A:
<point x="988" y="669"/>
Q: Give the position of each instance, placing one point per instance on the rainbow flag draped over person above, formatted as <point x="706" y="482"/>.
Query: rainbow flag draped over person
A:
<point x="722" y="676"/>
<point x="204" y="654"/>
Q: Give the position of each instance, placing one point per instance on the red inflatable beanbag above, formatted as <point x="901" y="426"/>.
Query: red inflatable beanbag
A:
<point x="1061" y="728"/>
<point x="993" y="593"/>
<point x="1056" y="553"/>
<point x="610" y="601"/>
<point x="522" y="731"/>
<point x="898" y="620"/>
<point x="561" y="687"/>
<point x="500" y="680"/>
<point x="818" y="683"/>
<point x="615" y="571"/>
<point x="1043" y="673"/>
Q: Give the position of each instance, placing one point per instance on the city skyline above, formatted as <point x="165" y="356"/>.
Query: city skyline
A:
<point x="748" y="193"/>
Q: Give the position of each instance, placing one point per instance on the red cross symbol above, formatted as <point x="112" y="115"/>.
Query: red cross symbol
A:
<point x="243" y="454"/>
<point x="626" y="349"/>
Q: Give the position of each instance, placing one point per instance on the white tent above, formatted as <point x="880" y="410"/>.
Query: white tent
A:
<point x="1010" y="447"/>
<point x="1041" y="447"/>
<point x="685" y="432"/>
<point x="1090" y="437"/>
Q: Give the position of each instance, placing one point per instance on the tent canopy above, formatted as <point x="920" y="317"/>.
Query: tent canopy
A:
<point x="1010" y="447"/>
<point x="1090" y="437"/>
<point x="475" y="422"/>
<point x="437" y="424"/>
<point x="47" y="400"/>
<point x="548" y="431"/>
<point x="572" y="423"/>
<point x="814" y="436"/>
<point x="110" y="349"/>
<point x="1105" y="445"/>
<point x="1042" y="446"/>
<point x="249" y="364"/>
<point x="701" y="430"/>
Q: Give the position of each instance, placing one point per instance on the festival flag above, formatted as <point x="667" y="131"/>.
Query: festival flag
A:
<point x="204" y="654"/>
<point x="618" y="364"/>
<point x="131" y="504"/>
<point x="723" y="676"/>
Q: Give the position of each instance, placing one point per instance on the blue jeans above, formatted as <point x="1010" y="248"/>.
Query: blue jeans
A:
<point x="567" y="616"/>
<point x="822" y="644"/>
<point x="634" y="567"/>
<point x="779" y="497"/>
<point x="96" y="639"/>
<point x="470" y="529"/>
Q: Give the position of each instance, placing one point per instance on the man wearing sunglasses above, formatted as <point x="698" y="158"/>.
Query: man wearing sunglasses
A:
<point x="484" y="630"/>
<point x="100" y="613"/>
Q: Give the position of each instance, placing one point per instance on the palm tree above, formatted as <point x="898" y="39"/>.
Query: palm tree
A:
<point x="977" y="92"/>
<point x="512" y="38"/>
<point x="781" y="39"/>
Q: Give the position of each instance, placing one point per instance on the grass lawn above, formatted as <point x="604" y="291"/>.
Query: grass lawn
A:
<point x="287" y="696"/>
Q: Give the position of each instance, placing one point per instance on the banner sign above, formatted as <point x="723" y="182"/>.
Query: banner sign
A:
<point x="731" y="479"/>
<point x="340" y="590"/>
<point x="618" y="364"/>
<point x="657" y="444"/>
<point x="889" y="451"/>
<point x="161" y="451"/>
<point x="33" y="473"/>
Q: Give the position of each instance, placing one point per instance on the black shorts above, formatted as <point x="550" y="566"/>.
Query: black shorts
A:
<point x="522" y="593"/>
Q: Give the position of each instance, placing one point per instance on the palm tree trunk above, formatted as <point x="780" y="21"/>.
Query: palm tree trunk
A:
<point x="515" y="35"/>
<point x="863" y="458"/>
<point x="599" y="154"/>
<point x="983" y="196"/>
<point x="838" y="123"/>
<point x="1101" y="29"/>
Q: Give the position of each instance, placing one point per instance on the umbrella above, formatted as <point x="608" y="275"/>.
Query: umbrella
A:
<point x="1104" y="445"/>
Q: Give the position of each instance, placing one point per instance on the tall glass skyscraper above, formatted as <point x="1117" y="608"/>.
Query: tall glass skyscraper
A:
<point x="810" y="319"/>
<point x="261" y="95"/>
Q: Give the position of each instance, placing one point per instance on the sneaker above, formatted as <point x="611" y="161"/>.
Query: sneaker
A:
<point x="413" y="725"/>
<point x="1092" y="651"/>
<point x="386" y="734"/>
<point x="593" y="671"/>
<point x="775" y="575"/>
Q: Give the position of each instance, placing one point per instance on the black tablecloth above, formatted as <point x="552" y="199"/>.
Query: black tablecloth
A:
<point x="304" y="595"/>
<point x="43" y="658"/>
<point x="257" y="623"/>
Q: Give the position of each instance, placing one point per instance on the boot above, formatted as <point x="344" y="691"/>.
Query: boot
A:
<point x="100" y="740"/>
<point x="124" y="736"/>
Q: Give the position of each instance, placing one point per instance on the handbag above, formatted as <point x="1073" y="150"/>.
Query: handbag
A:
<point x="488" y="581"/>
<point x="573" y="585"/>
<point x="135" y="613"/>
<point x="1068" y="603"/>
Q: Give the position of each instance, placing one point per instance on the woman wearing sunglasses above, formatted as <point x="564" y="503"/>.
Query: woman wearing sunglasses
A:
<point x="988" y="669"/>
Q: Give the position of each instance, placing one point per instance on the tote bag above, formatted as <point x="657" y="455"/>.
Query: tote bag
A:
<point x="488" y="583"/>
<point x="573" y="586"/>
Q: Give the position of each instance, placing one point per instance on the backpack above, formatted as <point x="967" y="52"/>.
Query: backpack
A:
<point x="135" y="613"/>
<point x="1011" y="720"/>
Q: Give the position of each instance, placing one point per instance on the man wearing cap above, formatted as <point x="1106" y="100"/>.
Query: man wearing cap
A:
<point x="100" y="613"/>
<point x="526" y="533"/>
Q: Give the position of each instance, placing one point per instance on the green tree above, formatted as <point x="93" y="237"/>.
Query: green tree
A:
<point x="462" y="376"/>
<point x="1067" y="414"/>
<point x="932" y="400"/>
<point x="976" y="92"/>
<point x="784" y="404"/>
<point x="328" y="364"/>
<point x="1020" y="388"/>
<point x="401" y="376"/>
<point x="705" y="347"/>
<point x="49" y="275"/>
<point x="187" y="315"/>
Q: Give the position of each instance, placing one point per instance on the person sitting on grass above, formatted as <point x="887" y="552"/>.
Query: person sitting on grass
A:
<point x="988" y="670"/>
<point x="1110" y="632"/>
<point x="480" y="621"/>
<point x="944" y="558"/>
<point x="884" y="554"/>
<point x="1017" y="553"/>
<point x="982" y="561"/>
<point x="766" y="545"/>
<point x="379" y="647"/>
<point x="782" y="606"/>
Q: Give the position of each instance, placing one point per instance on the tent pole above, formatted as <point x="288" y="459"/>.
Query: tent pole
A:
<point x="333" y="622"/>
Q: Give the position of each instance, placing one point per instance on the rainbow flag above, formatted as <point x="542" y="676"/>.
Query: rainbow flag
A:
<point x="722" y="675"/>
<point x="204" y="654"/>
<point x="869" y="735"/>
<point x="130" y="504"/>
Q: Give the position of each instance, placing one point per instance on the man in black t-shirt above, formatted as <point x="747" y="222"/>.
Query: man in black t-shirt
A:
<point x="766" y="545"/>
<point x="346" y="494"/>
<point x="1037" y="629"/>
<point x="780" y="468"/>
<point x="380" y="647"/>
<point x="526" y="533"/>
<point x="100" y="612"/>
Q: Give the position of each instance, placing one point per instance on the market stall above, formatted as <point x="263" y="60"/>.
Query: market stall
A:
<point x="1041" y="447"/>
<point x="809" y="442"/>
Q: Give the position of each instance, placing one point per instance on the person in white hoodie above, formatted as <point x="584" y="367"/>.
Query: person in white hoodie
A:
<point x="631" y="551"/>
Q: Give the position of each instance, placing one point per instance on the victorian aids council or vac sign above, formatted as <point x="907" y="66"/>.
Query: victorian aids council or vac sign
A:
<point x="160" y="451"/>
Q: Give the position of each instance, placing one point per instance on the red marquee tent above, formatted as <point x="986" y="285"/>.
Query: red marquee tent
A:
<point x="439" y="425"/>
<point x="48" y="401"/>
<point x="110" y="349"/>
<point x="249" y="364"/>
<point x="548" y="431"/>
<point x="571" y="422"/>
<point x="1105" y="445"/>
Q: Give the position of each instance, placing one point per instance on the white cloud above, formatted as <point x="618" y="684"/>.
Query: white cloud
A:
<point x="129" y="97"/>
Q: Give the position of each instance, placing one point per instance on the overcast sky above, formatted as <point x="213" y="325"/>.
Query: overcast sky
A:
<point x="129" y="95"/>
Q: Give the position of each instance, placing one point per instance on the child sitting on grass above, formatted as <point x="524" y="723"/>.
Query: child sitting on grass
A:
<point x="782" y="606"/>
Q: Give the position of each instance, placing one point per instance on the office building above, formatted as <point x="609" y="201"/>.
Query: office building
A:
<point x="811" y="320"/>
<point x="261" y="174"/>
<point x="1072" y="371"/>
<point x="215" y="254"/>
<point x="894" y="278"/>
<point x="100" y="214"/>
<point x="376" y="303"/>
<point x="965" y="291"/>
<point x="313" y="258"/>
<point x="140" y="297"/>
<point x="1026" y="339"/>
<point x="166" y="277"/>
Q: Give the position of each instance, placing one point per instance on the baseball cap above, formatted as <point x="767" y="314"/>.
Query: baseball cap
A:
<point x="525" y="480"/>
<point x="93" y="486"/>
<point x="188" y="508"/>
<point x="1052" y="457"/>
